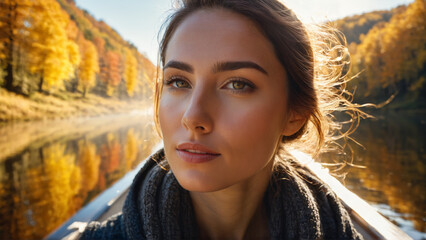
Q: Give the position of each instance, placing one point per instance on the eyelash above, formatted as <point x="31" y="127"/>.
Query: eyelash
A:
<point x="173" y="79"/>
<point x="248" y="86"/>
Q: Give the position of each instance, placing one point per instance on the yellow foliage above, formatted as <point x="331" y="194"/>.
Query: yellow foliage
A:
<point x="110" y="90"/>
<point x="130" y="72"/>
<point x="89" y="163"/>
<point x="54" y="186"/>
<point x="74" y="54"/>
<point x="64" y="181"/>
<point x="51" y="53"/>
<point x="131" y="149"/>
<point x="2" y="55"/>
<point x="393" y="54"/>
<point x="89" y="66"/>
<point x="13" y="15"/>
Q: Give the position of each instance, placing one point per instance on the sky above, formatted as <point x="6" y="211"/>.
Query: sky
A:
<point x="139" y="21"/>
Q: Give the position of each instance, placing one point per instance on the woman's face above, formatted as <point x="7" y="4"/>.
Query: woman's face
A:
<point x="223" y="106"/>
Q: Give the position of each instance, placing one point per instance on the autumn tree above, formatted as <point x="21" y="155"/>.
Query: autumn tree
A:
<point x="112" y="54"/>
<point x="43" y="45"/>
<point x="404" y="46"/>
<point x="392" y="56"/>
<point x="100" y="45"/>
<point x="13" y="16"/>
<point x="74" y="34"/>
<point x="52" y="54"/>
<point x="112" y="71"/>
<point x="130" y="72"/>
<point x="146" y="77"/>
<point x="354" y="26"/>
<point x="88" y="67"/>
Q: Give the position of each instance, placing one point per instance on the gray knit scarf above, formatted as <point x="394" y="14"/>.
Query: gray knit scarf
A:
<point x="298" y="205"/>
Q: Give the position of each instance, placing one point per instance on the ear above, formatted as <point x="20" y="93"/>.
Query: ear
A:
<point x="294" y="123"/>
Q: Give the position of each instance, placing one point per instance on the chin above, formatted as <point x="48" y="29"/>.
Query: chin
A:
<point x="197" y="182"/>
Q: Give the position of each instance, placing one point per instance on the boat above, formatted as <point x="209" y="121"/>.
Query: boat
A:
<point x="368" y="222"/>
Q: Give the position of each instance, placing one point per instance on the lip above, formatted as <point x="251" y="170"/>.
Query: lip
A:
<point x="195" y="153"/>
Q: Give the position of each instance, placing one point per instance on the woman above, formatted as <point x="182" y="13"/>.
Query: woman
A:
<point x="241" y="84"/>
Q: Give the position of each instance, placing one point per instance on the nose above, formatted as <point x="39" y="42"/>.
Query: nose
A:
<point x="196" y="117"/>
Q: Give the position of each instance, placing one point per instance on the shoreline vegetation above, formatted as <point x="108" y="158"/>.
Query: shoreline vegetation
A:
<point x="38" y="106"/>
<point x="57" y="62"/>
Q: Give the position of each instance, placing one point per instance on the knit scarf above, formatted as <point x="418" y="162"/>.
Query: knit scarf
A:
<point x="298" y="205"/>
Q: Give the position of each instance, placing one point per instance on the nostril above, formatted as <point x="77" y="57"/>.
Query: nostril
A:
<point x="200" y="128"/>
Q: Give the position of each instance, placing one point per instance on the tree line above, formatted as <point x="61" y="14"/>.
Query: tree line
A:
<point x="52" y="46"/>
<point x="388" y="54"/>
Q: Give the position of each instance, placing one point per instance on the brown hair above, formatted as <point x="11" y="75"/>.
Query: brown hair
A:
<point x="313" y="59"/>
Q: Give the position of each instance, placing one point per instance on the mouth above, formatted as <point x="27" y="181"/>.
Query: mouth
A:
<point x="195" y="153"/>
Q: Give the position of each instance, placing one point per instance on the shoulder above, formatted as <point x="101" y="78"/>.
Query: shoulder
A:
<point x="317" y="205"/>
<point x="333" y="215"/>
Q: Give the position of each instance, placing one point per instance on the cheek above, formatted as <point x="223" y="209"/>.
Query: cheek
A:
<point x="253" y="131"/>
<point x="168" y="115"/>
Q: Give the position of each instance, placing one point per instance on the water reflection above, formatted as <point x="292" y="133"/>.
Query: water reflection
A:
<point x="394" y="178"/>
<point x="49" y="180"/>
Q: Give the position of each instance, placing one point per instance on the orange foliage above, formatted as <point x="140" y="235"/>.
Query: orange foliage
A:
<point x="100" y="45"/>
<point x="112" y="71"/>
<point x="111" y="154"/>
<point x="114" y="156"/>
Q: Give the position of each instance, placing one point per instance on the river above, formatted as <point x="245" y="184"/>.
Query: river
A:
<point x="393" y="179"/>
<point x="51" y="169"/>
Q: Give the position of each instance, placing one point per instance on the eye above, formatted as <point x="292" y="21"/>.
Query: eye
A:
<point x="239" y="85"/>
<point x="177" y="82"/>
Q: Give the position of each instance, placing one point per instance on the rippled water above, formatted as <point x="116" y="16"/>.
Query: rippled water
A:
<point x="394" y="177"/>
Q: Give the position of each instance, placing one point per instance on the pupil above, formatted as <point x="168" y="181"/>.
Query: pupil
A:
<point x="180" y="83"/>
<point x="238" y="85"/>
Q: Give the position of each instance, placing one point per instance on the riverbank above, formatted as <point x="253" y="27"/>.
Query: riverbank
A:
<point x="39" y="106"/>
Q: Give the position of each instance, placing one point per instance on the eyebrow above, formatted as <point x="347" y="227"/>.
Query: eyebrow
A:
<point x="230" y="66"/>
<point x="179" y="65"/>
<point x="218" y="67"/>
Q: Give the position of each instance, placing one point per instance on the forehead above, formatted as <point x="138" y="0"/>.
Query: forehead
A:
<point x="217" y="35"/>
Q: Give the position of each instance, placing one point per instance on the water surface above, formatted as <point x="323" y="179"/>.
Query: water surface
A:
<point x="394" y="177"/>
<point x="49" y="170"/>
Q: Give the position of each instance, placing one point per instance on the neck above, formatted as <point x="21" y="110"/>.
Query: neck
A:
<point x="235" y="212"/>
